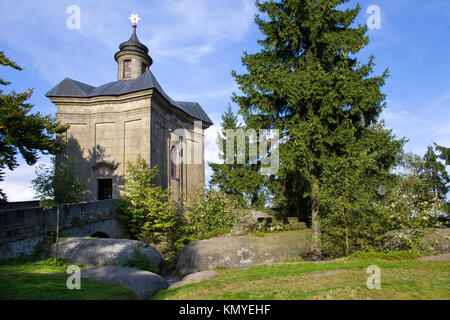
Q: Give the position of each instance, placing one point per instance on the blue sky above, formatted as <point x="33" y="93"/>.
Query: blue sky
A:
<point x="195" y="44"/>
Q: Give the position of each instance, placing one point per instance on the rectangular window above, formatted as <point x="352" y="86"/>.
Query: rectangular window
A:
<point x="174" y="163"/>
<point x="104" y="189"/>
<point x="127" y="69"/>
<point x="144" y="68"/>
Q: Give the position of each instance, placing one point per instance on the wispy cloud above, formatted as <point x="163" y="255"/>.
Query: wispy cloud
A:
<point x="186" y="30"/>
<point x="198" y="27"/>
<point x="421" y="124"/>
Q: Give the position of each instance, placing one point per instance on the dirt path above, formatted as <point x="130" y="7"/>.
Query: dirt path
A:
<point x="441" y="257"/>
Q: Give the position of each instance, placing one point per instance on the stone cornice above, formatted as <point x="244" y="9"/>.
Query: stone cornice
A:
<point x="68" y="115"/>
<point x="99" y="100"/>
<point x="126" y="98"/>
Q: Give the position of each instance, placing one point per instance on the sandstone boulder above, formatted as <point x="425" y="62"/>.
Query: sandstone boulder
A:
<point x="200" y="276"/>
<point x="103" y="252"/>
<point x="435" y="240"/>
<point x="143" y="283"/>
<point x="194" y="277"/>
<point x="243" y="251"/>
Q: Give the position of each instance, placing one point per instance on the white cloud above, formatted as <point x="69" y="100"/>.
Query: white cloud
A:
<point x="211" y="148"/>
<point x="421" y="124"/>
<point x="186" y="30"/>
<point x="17" y="183"/>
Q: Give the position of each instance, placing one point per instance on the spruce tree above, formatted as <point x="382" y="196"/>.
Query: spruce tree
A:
<point x="242" y="180"/>
<point x="307" y="82"/>
<point x="444" y="153"/>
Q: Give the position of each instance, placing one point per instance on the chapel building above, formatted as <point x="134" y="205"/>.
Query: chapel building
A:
<point x="113" y="123"/>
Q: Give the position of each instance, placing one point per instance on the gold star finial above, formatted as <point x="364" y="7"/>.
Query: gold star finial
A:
<point x="134" y="18"/>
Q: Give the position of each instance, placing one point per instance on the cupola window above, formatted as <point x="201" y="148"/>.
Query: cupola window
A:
<point x="126" y="69"/>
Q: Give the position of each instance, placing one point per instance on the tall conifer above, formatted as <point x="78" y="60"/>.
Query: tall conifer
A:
<point x="307" y="82"/>
<point x="243" y="180"/>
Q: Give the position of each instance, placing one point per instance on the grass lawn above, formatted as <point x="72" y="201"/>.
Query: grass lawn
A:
<point x="401" y="278"/>
<point x="22" y="279"/>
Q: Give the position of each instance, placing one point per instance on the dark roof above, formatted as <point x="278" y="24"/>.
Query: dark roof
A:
<point x="74" y="89"/>
<point x="133" y="44"/>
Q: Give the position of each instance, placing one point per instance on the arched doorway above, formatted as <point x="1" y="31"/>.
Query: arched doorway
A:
<point x="99" y="235"/>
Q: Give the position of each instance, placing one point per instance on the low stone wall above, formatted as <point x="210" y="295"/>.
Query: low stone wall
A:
<point x="22" y="229"/>
<point x="19" y="205"/>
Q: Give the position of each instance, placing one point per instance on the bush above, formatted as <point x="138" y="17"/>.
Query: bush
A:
<point x="146" y="209"/>
<point x="149" y="213"/>
<point x="138" y="261"/>
<point x="209" y="213"/>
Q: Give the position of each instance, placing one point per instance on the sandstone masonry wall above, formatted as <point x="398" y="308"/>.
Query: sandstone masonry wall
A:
<point x="22" y="229"/>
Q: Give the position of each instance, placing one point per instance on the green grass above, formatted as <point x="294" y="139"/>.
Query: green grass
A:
<point x="402" y="277"/>
<point x="293" y="260"/>
<point x="24" y="279"/>
<point x="264" y="233"/>
<point x="394" y="255"/>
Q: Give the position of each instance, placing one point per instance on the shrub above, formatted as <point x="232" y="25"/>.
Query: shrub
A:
<point x="146" y="209"/>
<point x="138" y="261"/>
<point x="149" y="213"/>
<point x="209" y="213"/>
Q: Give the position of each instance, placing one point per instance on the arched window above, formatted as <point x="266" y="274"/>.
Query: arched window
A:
<point x="175" y="162"/>
<point x="126" y="69"/>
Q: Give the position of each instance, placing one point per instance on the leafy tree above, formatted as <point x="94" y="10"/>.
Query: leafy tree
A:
<point x="243" y="180"/>
<point x="307" y="82"/>
<point x="209" y="213"/>
<point x="56" y="185"/>
<point x="22" y="132"/>
<point x="426" y="180"/>
<point x="444" y="155"/>
<point x="417" y="201"/>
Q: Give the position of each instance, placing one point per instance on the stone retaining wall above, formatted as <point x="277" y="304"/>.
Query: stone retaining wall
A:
<point x="22" y="229"/>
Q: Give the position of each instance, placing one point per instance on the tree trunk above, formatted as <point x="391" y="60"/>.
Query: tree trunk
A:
<point x="315" y="253"/>
<point x="57" y="232"/>
<point x="347" y="247"/>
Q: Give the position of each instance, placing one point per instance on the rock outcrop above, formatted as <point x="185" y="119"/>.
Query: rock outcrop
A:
<point x="436" y="241"/>
<point x="143" y="283"/>
<point x="102" y="252"/>
<point x="242" y="252"/>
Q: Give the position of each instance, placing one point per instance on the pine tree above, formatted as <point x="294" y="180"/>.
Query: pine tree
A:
<point x="307" y="82"/>
<point x="435" y="174"/>
<point x="242" y="180"/>
<point x="444" y="153"/>
<point x="21" y="132"/>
